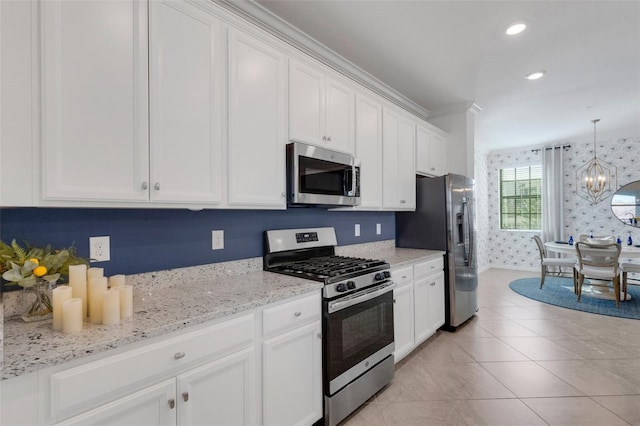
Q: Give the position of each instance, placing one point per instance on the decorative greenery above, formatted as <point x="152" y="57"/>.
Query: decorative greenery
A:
<point x="23" y="265"/>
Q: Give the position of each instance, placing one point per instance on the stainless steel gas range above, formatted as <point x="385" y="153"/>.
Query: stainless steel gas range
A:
<point x="357" y="315"/>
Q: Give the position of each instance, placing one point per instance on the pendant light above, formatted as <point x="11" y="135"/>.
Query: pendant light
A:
<point x="593" y="179"/>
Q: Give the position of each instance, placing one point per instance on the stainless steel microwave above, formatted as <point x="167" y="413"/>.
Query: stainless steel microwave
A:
<point x="321" y="177"/>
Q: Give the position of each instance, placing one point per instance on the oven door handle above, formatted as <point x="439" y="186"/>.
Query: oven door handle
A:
<point x="340" y="305"/>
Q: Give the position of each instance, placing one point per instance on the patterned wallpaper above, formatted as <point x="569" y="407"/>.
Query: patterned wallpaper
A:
<point x="514" y="249"/>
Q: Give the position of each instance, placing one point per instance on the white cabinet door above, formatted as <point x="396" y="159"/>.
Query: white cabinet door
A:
<point x="153" y="406"/>
<point x="186" y="97"/>
<point x="436" y="301"/>
<point x="219" y="393"/>
<point x="94" y="93"/>
<point x="398" y="142"/>
<point x="257" y="123"/>
<point x="339" y="116"/>
<point x="368" y="150"/>
<point x="321" y="108"/>
<point x="430" y="151"/>
<point x="292" y="377"/>
<point x="403" y="321"/>
<point x="306" y="104"/>
<point x="422" y="316"/>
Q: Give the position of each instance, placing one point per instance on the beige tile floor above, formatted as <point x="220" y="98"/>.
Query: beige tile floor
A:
<point x="518" y="362"/>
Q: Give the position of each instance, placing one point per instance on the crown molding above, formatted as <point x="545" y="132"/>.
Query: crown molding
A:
<point x="462" y="107"/>
<point x="273" y="24"/>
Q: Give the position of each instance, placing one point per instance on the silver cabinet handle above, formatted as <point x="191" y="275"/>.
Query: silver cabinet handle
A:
<point x="157" y="186"/>
<point x="297" y="314"/>
<point x="145" y="185"/>
<point x="185" y="396"/>
<point x="179" y="355"/>
<point x="433" y="284"/>
<point x="319" y="335"/>
<point x="172" y="403"/>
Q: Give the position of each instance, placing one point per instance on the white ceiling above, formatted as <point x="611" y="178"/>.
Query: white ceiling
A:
<point x="443" y="53"/>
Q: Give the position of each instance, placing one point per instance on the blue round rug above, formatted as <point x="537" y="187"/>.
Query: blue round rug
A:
<point x="559" y="291"/>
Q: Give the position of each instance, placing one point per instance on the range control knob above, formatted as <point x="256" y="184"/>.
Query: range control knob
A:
<point x="351" y="285"/>
<point x="379" y="276"/>
<point x="387" y="274"/>
<point x="341" y="287"/>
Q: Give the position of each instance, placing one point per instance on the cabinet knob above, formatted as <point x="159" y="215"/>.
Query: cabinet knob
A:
<point x="172" y="403"/>
<point x="324" y="138"/>
<point x="157" y="186"/>
<point x="145" y="185"/>
<point x="329" y="139"/>
<point x="185" y="396"/>
<point x="402" y="202"/>
<point x="394" y="300"/>
<point x="432" y="284"/>
<point x="297" y="314"/>
<point x="283" y="194"/>
<point x="319" y="335"/>
<point x="179" y="355"/>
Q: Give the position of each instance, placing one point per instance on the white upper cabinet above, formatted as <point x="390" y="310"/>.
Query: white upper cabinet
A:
<point x="94" y="94"/>
<point x="187" y="85"/>
<point x="257" y="123"/>
<point x="321" y="108"/>
<point x="430" y="150"/>
<point x="369" y="150"/>
<point x="398" y="142"/>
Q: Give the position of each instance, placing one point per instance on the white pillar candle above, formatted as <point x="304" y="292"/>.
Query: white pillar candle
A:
<point x="97" y="289"/>
<point x="116" y="281"/>
<point x="60" y="295"/>
<point x="111" y="307"/>
<point x="78" y="284"/>
<point x="126" y="301"/>
<point x="92" y="273"/>
<point x="72" y="316"/>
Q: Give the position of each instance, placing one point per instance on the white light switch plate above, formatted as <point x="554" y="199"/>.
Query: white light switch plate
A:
<point x="378" y="228"/>
<point x="217" y="240"/>
<point x="99" y="250"/>
<point x="357" y="230"/>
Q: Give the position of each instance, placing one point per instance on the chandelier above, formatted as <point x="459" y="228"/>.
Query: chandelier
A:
<point x="593" y="179"/>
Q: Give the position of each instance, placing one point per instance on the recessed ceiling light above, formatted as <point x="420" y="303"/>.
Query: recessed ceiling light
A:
<point x="516" y="28"/>
<point x="535" y="75"/>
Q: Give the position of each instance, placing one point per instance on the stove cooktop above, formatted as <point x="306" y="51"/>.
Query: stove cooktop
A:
<point x="330" y="268"/>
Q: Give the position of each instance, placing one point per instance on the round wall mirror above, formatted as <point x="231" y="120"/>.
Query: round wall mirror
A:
<point x="625" y="204"/>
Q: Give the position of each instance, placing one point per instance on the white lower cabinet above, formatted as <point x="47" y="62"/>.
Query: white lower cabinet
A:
<point x="225" y="373"/>
<point x="149" y="406"/>
<point x="292" y="388"/>
<point x="419" y="304"/>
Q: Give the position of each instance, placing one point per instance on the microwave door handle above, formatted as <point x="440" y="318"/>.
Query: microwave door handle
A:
<point x="347" y="180"/>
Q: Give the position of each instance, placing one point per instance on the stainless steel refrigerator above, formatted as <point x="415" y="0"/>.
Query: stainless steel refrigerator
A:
<point x="444" y="220"/>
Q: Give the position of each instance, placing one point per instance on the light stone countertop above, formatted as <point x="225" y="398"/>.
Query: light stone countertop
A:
<point x="172" y="300"/>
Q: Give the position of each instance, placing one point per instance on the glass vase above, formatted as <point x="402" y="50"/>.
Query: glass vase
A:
<point x="37" y="301"/>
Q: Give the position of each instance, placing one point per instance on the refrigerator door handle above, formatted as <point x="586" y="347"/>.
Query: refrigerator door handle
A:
<point x="466" y="227"/>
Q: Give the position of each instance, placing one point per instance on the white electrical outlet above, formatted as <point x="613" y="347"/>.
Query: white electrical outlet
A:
<point x="217" y="240"/>
<point x="378" y="228"/>
<point x="99" y="250"/>
<point x="357" y="230"/>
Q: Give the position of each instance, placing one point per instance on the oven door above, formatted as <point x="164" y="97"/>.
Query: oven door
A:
<point x="358" y="333"/>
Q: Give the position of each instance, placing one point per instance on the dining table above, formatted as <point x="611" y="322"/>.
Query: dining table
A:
<point x="626" y="252"/>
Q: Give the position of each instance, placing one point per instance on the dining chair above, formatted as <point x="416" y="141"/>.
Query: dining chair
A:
<point x="546" y="261"/>
<point x="627" y="267"/>
<point x="598" y="262"/>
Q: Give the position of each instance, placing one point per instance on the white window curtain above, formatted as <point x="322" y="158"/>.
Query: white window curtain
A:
<point x="552" y="194"/>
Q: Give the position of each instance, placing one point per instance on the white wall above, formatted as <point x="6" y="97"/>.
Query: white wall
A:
<point x="514" y="249"/>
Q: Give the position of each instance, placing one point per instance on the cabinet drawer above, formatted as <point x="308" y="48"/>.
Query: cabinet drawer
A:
<point x="429" y="267"/>
<point x="82" y="387"/>
<point x="291" y="314"/>
<point x="402" y="276"/>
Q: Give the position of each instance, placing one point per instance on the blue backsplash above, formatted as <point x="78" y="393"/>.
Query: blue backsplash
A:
<point x="144" y="240"/>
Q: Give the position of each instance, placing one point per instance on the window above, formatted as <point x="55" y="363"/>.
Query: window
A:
<point x="521" y="198"/>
